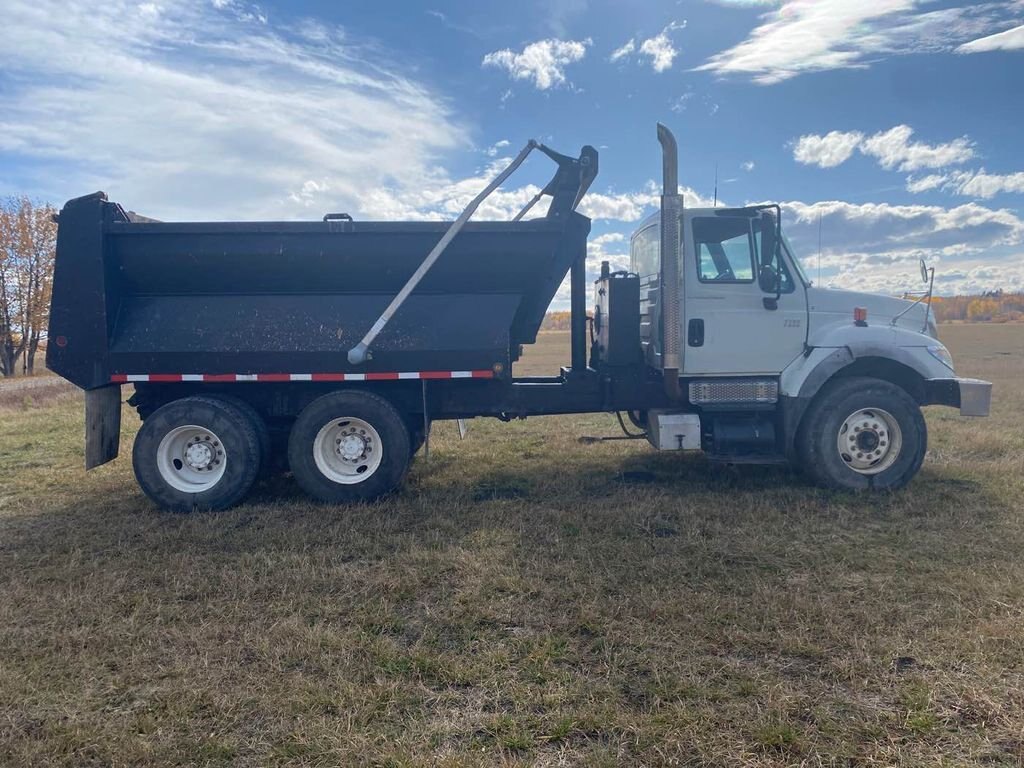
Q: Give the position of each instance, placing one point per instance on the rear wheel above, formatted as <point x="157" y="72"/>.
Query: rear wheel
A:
<point x="349" y="446"/>
<point x="197" y="453"/>
<point x="862" y="433"/>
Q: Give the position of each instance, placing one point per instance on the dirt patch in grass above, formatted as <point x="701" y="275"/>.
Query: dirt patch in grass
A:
<point x="522" y="602"/>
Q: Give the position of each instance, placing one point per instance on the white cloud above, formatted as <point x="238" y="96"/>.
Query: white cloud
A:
<point x="445" y="198"/>
<point x="875" y="246"/>
<point x="310" y="192"/>
<point x="892" y="149"/>
<point x="926" y="183"/>
<point x="542" y="62"/>
<point x="970" y="183"/>
<point x="633" y="206"/>
<point x="492" y="151"/>
<point x="982" y="184"/>
<point x="827" y="151"/>
<point x="816" y="35"/>
<point x="624" y="50"/>
<point x="209" y="113"/>
<point x="660" y="49"/>
<point x="883" y="226"/>
<point x="612" y="247"/>
<point x="1009" y="40"/>
<point x="868" y="246"/>
<point x="747" y="166"/>
<point x="691" y="98"/>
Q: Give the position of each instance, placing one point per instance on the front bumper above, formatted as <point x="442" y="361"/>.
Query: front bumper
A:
<point x="972" y="396"/>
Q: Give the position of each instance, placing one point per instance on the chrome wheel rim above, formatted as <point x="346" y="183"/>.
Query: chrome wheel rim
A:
<point x="869" y="441"/>
<point x="347" y="450"/>
<point x="191" y="458"/>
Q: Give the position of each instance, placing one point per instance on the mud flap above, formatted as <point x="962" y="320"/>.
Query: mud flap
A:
<point x="102" y="425"/>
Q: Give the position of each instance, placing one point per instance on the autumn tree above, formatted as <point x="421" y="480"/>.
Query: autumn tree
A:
<point x="28" y="239"/>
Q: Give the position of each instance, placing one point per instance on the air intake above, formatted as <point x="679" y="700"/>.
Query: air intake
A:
<point x="737" y="391"/>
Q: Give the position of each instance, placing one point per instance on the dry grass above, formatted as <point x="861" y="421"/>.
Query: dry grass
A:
<point x="35" y="392"/>
<point x="527" y="600"/>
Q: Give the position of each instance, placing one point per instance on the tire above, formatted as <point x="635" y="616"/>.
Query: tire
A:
<point x="262" y="430"/>
<point x="349" y="446"/>
<point x="197" y="453"/>
<point x="863" y="433"/>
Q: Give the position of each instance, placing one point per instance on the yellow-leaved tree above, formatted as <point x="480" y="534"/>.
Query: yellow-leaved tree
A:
<point x="28" y="240"/>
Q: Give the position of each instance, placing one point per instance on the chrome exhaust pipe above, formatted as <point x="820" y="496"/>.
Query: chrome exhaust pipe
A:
<point x="671" y="256"/>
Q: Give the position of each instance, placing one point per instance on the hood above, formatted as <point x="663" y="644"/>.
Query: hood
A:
<point x="829" y="305"/>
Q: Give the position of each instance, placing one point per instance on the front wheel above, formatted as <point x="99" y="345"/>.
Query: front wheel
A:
<point x="862" y="433"/>
<point x="348" y="446"/>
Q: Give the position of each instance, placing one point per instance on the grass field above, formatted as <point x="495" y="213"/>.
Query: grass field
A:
<point x="526" y="600"/>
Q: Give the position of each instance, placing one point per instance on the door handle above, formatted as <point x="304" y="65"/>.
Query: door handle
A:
<point x="695" y="332"/>
<point x="770" y="302"/>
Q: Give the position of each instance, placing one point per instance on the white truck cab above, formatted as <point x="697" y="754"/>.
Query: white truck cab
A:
<point x="843" y="373"/>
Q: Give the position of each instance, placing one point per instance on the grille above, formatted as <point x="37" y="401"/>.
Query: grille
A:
<point x="734" y="391"/>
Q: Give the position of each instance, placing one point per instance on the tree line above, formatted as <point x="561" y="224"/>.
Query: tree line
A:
<point x="990" y="307"/>
<point x="28" y="242"/>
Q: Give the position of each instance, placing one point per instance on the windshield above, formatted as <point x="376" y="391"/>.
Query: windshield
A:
<point x="646" y="251"/>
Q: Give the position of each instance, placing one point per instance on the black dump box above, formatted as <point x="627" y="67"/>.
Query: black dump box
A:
<point x="138" y="300"/>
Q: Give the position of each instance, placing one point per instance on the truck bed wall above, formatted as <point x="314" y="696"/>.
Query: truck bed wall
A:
<point x="294" y="297"/>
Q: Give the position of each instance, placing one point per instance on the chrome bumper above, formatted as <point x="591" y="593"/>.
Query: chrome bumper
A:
<point x="972" y="396"/>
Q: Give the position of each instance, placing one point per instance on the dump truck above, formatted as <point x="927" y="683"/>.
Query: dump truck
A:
<point x="330" y="347"/>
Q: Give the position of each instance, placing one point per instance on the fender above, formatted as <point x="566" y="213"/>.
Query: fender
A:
<point x="838" y="348"/>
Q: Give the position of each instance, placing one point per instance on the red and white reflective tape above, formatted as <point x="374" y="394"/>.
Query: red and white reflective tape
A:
<point x="210" y="378"/>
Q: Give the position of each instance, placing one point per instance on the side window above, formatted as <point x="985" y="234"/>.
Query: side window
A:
<point x="645" y="252"/>
<point x="725" y="249"/>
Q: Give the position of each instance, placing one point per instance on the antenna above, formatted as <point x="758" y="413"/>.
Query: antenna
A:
<point x="819" y="248"/>
<point x="716" y="186"/>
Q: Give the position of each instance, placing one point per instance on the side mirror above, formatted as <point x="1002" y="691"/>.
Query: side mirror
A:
<point x="924" y="271"/>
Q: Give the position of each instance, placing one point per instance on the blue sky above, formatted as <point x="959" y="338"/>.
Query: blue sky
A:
<point x="896" y="121"/>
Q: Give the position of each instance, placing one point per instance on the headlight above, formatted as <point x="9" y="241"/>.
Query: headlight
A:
<point x="941" y="354"/>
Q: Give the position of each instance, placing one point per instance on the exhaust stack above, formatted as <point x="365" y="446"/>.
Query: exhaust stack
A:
<point x="671" y="255"/>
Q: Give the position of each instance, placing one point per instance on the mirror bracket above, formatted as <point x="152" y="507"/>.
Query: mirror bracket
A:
<point x="774" y="243"/>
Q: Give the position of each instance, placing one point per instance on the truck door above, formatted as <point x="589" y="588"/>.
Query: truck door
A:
<point x="729" y="327"/>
